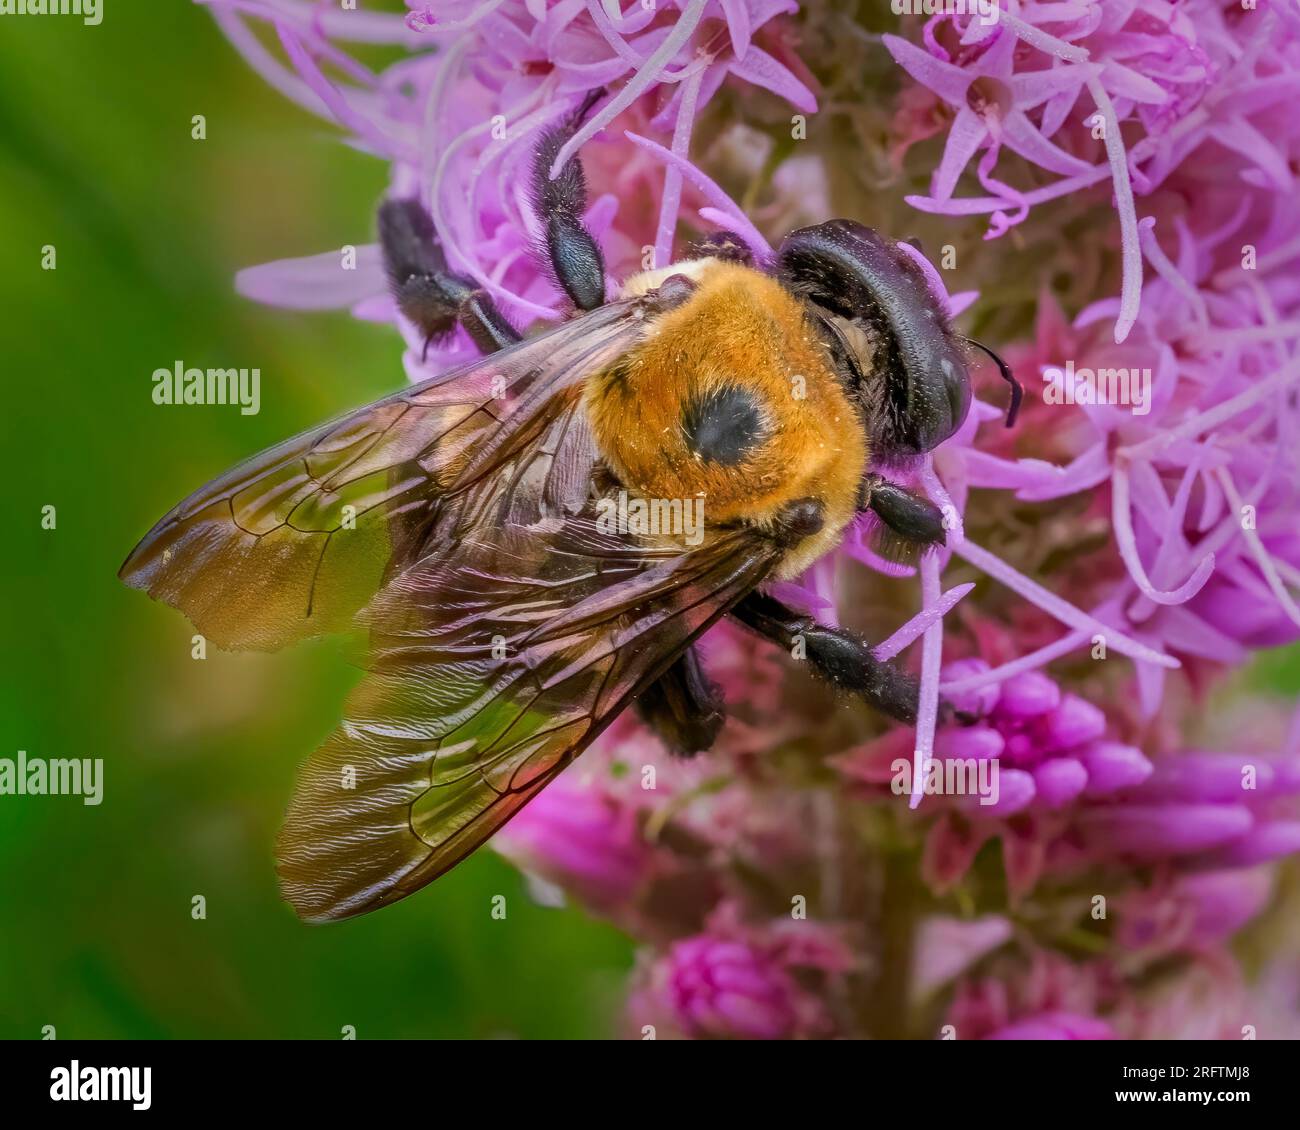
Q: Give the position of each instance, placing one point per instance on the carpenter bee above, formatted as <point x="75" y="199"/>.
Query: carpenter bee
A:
<point x="463" y="524"/>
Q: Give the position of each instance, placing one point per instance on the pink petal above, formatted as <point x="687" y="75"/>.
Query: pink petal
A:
<point x="734" y="217"/>
<point x="950" y="849"/>
<point x="920" y="623"/>
<point x="1055" y="1026"/>
<point x="1275" y="840"/>
<point x="968" y="130"/>
<point x="1131" y="286"/>
<point x="1016" y="791"/>
<point x="1020" y="135"/>
<point x="1059" y="781"/>
<point x="1062" y="610"/>
<point x="1112" y="767"/>
<point x="737" y="16"/>
<point x="1157" y="831"/>
<point x="1031" y="88"/>
<point x="931" y="660"/>
<point x="762" y="70"/>
<point x="644" y="78"/>
<point x="1201" y="777"/>
<point x="316" y="282"/>
<point x="949" y="82"/>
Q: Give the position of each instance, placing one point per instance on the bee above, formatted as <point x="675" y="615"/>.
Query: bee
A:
<point x="460" y="524"/>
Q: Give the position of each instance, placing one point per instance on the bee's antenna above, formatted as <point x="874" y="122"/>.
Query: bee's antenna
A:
<point x="1017" y="392"/>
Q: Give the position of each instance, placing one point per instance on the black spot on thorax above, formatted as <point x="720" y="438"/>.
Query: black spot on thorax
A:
<point x="724" y="425"/>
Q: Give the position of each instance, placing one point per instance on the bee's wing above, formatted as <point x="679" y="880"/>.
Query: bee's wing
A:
<point x="294" y="541"/>
<point x="494" y="662"/>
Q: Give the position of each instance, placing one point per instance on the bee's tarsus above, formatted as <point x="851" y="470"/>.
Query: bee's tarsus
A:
<point x="918" y="522"/>
<point x="840" y="657"/>
<point x="428" y="294"/>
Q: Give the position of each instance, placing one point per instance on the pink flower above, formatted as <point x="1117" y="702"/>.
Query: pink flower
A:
<point x="487" y="81"/>
<point x="1196" y="910"/>
<point x="1106" y="563"/>
<point x="1070" y="796"/>
<point x="717" y="988"/>
<point x="992" y="104"/>
<point x="1036" y="995"/>
<point x="740" y="982"/>
<point x="1055" y="1026"/>
<point x="584" y="839"/>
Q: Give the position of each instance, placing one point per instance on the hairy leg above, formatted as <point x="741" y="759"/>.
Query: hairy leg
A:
<point x="427" y="292"/>
<point x="838" y="656"/>
<point x="574" y="253"/>
<point x="907" y="525"/>
<point x="683" y="707"/>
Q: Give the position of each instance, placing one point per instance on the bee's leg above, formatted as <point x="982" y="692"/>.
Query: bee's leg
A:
<point x="683" y="707"/>
<point x="426" y="291"/>
<point x="575" y="255"/>
<point x="910" y="523"/>
<point x="838" y="656"/>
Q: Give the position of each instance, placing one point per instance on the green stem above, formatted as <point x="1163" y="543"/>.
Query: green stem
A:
<point x="890" y="1008"/>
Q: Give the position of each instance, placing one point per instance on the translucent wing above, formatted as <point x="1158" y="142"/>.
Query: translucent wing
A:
<point x="495" y="661"/>
<point x="293" y="542"/>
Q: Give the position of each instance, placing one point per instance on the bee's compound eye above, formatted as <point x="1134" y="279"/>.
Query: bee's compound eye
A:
<point x="956" y="384"/>
<point x="934" y="400"/>
<point x="723" y="425"/>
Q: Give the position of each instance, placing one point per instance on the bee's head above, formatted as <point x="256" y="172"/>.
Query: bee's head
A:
<point x="888" y="333"/>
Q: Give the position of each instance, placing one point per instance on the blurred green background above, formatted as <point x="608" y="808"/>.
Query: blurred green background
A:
<point x="149" y="226"/>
